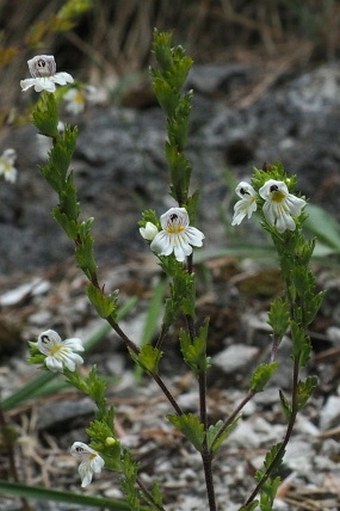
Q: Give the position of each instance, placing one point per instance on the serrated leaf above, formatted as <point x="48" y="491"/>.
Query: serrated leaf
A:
<point x="194" y="352"/>
<point x="45" y="115"/>
<point x="105" y="305"/>
<point x="35" y="357"/>
<point x="268" y="493"/>
<point x="286" y="407"/>
<point x="84" y="249"/>
<point x="278" y="317"/>
<point x="69" y="226"/>
<point x="191" y="427"/>
<point x="214" y="436"/>
<point x="272" y="461"/>
<point x="182" y="290"/>
<point x="301" y="344"/>
<point x="262" y="374"/>
<point x="149" y="358"/>
<point x="304" y="391"/>
<point x="84" y="257"/>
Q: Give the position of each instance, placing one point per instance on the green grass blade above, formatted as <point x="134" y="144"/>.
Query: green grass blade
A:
<point x="152" y="315"/>
<point x="323" y="226"/>
<point x="40" y="493"/>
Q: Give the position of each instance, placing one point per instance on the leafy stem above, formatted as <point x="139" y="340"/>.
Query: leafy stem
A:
<point x="280" y="453"/>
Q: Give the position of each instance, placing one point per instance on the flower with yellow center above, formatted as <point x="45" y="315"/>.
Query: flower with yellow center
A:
<point x="60" y="354"/>
<point x="91" y="462"/>
<point x="280" y="206"/>
<point x="247" y="203"/>
<point x="44" y="77"/>
<point x="176" y="236"/>
<point x="7" y="168"/>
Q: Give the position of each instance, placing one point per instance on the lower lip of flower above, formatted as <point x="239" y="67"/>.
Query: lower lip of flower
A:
<point x="55" y="349"/>
<point x="278" y="196"/>
<point x="175" y="229"/>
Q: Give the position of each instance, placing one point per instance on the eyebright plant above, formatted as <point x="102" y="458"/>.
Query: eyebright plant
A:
<point x="270" y="195"/>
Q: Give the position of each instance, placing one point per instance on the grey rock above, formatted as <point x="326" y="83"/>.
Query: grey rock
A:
<point x="330" y="413"/>
<point x="235" y="358"/>
<point x="56" y="413"/>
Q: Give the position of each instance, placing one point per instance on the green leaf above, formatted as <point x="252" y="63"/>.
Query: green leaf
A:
<point x="275" y="171"/>
<point x="69" y="226"/>
<point x="286" y="407"/>
<point x="105" y="305"/>
<point x="262" y="374"/>
<point x="172" y="61"/>
<point x="149" y="215"/>
<point x="182" y="290"/>
<point x="148" y="358"/>
<point x="68" y="202"/>
<point x="104" y="441"/>
<point x="45" y="115"/>
<point x="278" y="317"/>
<point x="304" y="391"/>
<point x="215" y="438"/>
<point x="180" y="170"/>
<point x="301" y="344"/>
<point x="272" y="461"/>
<point x="165" y="95"/>
<point x="268" y="493"/>
<point x="84" y="249"/>
<point x="194" y="352"/>
<point x="191" y="427"/>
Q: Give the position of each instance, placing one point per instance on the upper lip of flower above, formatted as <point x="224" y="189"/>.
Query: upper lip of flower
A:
<point x="44" y="77"/>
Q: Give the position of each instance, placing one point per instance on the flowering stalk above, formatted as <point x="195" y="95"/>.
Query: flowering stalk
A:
<point x="282" y="217"/>
<point x="55" y="353"/>
<point x="178" y="237"/>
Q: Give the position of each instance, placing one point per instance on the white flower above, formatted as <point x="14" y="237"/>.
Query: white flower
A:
<point x="7" y="168"/>
<point x="91" y="462"/>
<point x="149" y="231"/>
<point x="247" y="205"/>
<point x="280" y="205"/>
<point x="76" y="98"/>
<point x="44" y="77"/>
<point x="60" y="354"/>
<point x="176" y="235"/>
